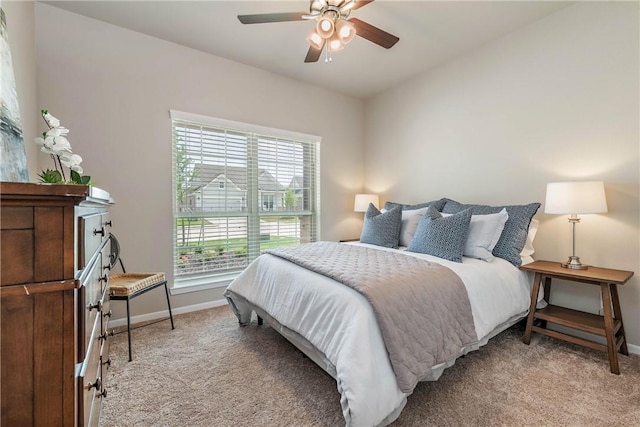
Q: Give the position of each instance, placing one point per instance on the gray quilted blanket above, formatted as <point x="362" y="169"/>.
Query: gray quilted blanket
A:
<point x="422" y="307"/>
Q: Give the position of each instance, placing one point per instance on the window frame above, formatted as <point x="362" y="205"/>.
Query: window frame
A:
<point x="219" y="279"/>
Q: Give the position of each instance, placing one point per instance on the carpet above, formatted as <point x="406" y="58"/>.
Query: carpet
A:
<point x="211" y="372"/>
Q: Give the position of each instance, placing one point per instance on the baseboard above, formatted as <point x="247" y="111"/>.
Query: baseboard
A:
<point x="635" y="349"/>
<point x="160" y="314"/>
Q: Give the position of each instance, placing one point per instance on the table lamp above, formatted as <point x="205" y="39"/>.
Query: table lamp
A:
<point x="574" y="198"/>
<point x="362" y="202"/>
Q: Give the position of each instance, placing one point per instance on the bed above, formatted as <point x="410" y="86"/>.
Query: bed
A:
<point x="339" y="327"/>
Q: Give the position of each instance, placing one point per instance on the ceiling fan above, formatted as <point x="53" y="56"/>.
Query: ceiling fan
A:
<point x="333" y="28"/>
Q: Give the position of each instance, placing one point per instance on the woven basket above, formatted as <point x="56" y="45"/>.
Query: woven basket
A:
<point x="123" y="285"/>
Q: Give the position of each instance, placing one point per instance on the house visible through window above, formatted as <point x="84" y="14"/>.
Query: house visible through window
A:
<point x="239" y="189"/>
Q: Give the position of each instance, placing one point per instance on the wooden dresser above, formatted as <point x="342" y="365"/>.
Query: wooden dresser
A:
<point x="55" y="254"/>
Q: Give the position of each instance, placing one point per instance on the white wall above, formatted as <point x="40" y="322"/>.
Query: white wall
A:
<point x="113" y="88"/>
<point x="20" y="17"/>
<point x="557" y="100"/>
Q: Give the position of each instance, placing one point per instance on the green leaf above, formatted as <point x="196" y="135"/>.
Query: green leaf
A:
<point x="50" y="176"/>
<point x="86" y="179"/>
<point x="75" y="177"/>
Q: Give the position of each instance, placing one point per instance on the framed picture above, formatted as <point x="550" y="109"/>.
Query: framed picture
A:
<point x="13" y="159"/>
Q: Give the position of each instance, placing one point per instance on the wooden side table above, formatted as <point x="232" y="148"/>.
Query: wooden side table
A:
<point x="608" y="325"/>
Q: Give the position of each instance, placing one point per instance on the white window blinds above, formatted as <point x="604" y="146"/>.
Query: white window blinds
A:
<point x="239" y="189"/>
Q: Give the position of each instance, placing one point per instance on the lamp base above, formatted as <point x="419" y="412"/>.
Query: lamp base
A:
<point x="574" y="263"/>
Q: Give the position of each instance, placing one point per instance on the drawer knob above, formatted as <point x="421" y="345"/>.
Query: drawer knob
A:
<point x="108" y="223"/>
<point x="97" y="385"/>
<point x="107" y="362"/>
<point x="105" y="335"/>
<point x="96" y="306"/>
<point x="100" y="232"/>
<point x="107" y="314"/>
<point x="107" y="267"/>
<point x="103" y="393"/>
<point x="104" y="278"/>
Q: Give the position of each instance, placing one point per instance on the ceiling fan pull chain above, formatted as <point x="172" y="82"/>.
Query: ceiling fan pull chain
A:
<point x="327" y="53"/>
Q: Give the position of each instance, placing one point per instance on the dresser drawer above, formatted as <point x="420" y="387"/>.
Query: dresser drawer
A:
<point x="91" y="305"/>
<point x="105" y="361"/>
<point x="90" y="381"/>
<point x="105" y="264"/>
<point x="93" y="230"/>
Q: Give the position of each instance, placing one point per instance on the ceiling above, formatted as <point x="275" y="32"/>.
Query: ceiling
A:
<point x="431" y="33"/>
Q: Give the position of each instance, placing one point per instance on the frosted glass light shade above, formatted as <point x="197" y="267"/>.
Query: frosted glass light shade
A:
<point x="325" y="27"/>
<point x="362" y="202"/>
<point x="575" y="197"/>
<point x="335" y="44"/>
<point x="345" y="31"/>
<point x="315" y="40"/>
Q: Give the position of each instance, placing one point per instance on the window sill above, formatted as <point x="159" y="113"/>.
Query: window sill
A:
<point x="196" y="284"/>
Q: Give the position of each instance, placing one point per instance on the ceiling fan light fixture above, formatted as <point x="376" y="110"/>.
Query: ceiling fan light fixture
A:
<point x="325" y="26"/>
<point x="345" y="31"/>
<point x="315" y="40"/>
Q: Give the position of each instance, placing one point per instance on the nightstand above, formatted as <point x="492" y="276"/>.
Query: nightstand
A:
<point x="608" y="325"/>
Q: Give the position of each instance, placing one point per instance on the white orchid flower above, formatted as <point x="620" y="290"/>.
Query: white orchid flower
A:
<point x="60" y="145"/>
<point x="51" y="121"/>
<point x="55" y="143"/>
<point x="72" y="161"/>
<point x="59" y="131"/>
<point x="47" y="144"/>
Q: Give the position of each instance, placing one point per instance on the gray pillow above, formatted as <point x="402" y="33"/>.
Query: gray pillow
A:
<point x="440" y="236"/>
<point x="437" y="204"/>
<point x="382" y="229"/>
<point x="514" y="235"/>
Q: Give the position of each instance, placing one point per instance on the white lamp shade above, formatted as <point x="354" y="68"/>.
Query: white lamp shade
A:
<point x="362" y="202"/>
<point x="325" y="27"/>
<point x="576" y="197"/>
<point x="315" y="40"/>
<point x="345" y="31"/>
<point x="335" y="44"/>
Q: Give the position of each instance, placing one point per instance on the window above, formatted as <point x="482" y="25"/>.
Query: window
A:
<point x="239" y="189"/>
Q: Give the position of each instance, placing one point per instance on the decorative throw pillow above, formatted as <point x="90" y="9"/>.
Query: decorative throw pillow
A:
<point x="440" y="236"/>
<point x="437" y="204"/>
<point x="514" y="235"/>
<point x="382" y="229"/>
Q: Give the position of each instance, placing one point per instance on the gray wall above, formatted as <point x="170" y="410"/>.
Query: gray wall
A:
<point x="113" y="88"/>
<point x="557" y="100"/>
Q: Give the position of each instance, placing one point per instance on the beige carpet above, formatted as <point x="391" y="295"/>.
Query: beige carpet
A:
<point x="211" y="372"/>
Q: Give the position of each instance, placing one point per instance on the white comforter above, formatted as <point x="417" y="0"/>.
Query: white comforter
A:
<point x="340" y="323"/>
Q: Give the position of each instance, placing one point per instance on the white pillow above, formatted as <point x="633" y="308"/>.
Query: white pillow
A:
<point x="484" y="233"/>
<point x="528" y="249"/>
<point x="410" y="220"/>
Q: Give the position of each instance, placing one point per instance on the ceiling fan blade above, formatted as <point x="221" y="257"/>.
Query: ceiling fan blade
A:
<point x="263" y="18"/>
<point x="374" y="34"/>
<point x="313" y="54"/>
<point x="361" y="3"/>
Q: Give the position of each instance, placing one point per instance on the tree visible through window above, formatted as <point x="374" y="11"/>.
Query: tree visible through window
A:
<point x="239" y="189"/>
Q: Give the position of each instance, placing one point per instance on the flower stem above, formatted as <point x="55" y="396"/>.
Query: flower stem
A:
<point x="61" y="169"/>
